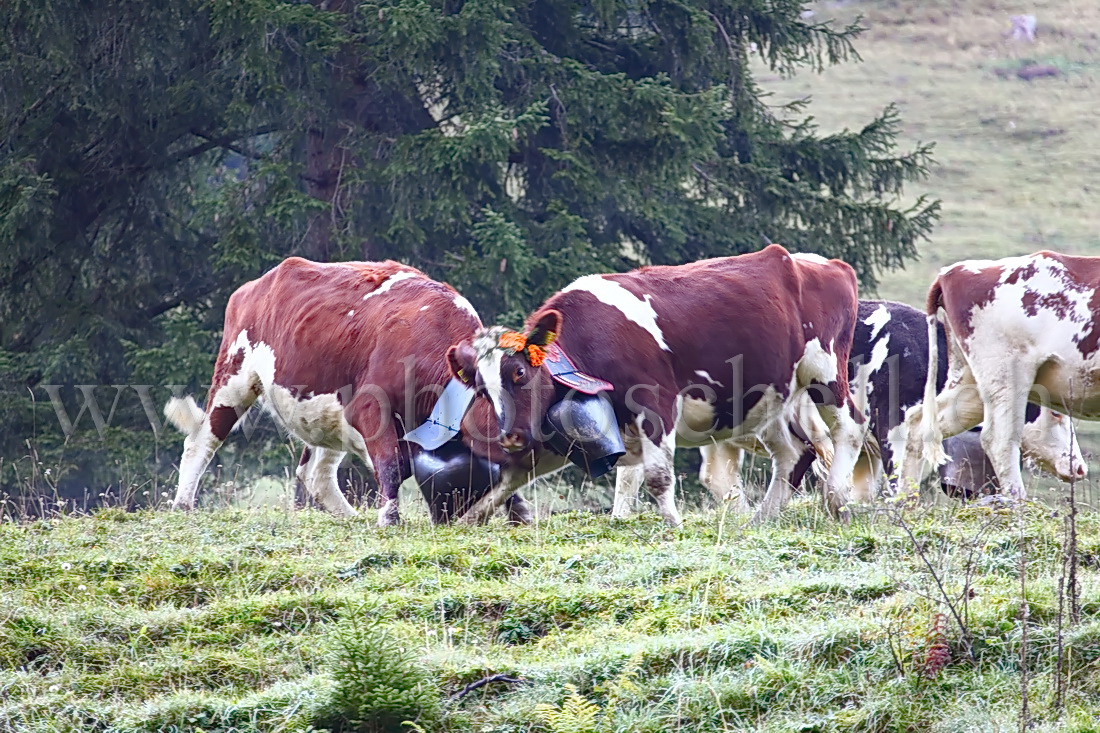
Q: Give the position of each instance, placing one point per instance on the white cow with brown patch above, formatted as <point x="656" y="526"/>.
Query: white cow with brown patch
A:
<point x="1021" y="329"/>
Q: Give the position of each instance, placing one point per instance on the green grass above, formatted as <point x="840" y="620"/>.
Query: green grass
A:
<point x="225" y="620"/>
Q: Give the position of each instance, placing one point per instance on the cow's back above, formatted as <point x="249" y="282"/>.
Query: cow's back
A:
<point x="335" y="325"/>
<point x="1034" y="303"/>
<point x="728" y="326"/>
<point x="684" y="319"/>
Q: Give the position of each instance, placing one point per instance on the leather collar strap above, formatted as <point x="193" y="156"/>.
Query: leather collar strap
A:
<point x="564" y="371"/>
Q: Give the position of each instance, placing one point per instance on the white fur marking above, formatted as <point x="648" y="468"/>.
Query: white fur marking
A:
<point x="879" y="352"/>
<point x="1010" y="265"/>
<point x="810" y="257"/>
<point x="258" y="363"/>
<point x="465" y="305"/>
<point x="638" y="310"/>
<point x="820" y="361"/>
<point x="392" y="280"/>
<point x="706" y="376"/>
<point x="489" y="369"/>
<point x="877" y="320"/>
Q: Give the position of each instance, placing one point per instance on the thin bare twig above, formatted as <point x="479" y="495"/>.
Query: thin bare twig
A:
<point x="1067" y="583"/>
<point x="895" y="653"/>
<point x="964" y="631"/>
<point x="486" y="681"/>
<point x="1025" y="715"/>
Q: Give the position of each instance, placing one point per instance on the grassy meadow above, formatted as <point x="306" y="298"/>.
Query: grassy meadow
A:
<point x="270" y="620"/>
<point x="235" y="620"/>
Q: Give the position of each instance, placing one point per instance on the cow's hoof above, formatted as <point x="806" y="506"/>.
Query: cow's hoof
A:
<point x="998" y="501"/>
<point x="520" y="518"/>
<point x="388" y="515"/>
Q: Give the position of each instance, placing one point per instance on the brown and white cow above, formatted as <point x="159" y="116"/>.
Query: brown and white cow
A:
<point x="1019" y="329"/>
<point x="346" y="356"/>
<point x="697" y="354"/>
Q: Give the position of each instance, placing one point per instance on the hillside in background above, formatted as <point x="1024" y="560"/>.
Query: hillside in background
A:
<point x="1014" y="123"/>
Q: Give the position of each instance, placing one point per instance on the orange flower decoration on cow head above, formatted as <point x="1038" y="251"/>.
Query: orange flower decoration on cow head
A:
<point x="536" y="355"/>
<point x="513" y="341"/>
<point x="533" y="346"/>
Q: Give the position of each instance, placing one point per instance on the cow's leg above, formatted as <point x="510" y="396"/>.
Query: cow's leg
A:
<point x="226" y="407"/>
<point x="629" y="473"/>
<point x="198" y="449"/>
<point x="388" y="471"/>
<point x="720" y="473"/>
<point x="655" y="423"/>
<point x="1004" y="402"/>
<point x="865" y="477"/>
<point x="628" y="479"/>
<point x="785" y="456"/>
<point x="821" y="374"/>
<point x="319" y="477"/>
<point x="847" y="436"/>
<point x="657" y="464"/>
<point x="511" y="481"/>
<point x="808" y="419"/>
<point x="304" y="472"/>
<point x="373" y="437"/>
<point x="891" y="445"/>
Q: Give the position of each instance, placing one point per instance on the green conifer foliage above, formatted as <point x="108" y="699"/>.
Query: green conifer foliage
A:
<point x="154" y="156"/>
<point x="379" y="684"/>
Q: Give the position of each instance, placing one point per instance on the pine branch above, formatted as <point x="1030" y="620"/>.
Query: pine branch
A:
<point x="212" y="143"/>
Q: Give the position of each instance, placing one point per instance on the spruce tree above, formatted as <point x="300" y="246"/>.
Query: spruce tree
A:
<point x="157" y="155"/>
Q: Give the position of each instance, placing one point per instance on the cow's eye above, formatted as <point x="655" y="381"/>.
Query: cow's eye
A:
<point x="520" y="374"/>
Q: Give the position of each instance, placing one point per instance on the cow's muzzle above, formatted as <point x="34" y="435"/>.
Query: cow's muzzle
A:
<point x="515" y="441"/>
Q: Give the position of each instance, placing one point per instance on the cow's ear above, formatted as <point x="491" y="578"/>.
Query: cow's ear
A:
<point x="547" y="328"/>
<point x="463" y="363"/>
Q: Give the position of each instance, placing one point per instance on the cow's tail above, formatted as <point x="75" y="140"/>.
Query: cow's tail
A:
<point x="184" y="414"/>
<point x="929" y="422"/>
